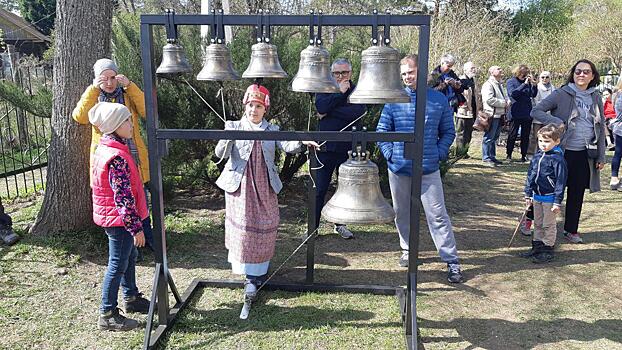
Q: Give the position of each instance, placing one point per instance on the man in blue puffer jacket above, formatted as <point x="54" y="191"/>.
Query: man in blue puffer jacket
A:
<point x="439" y="134"/>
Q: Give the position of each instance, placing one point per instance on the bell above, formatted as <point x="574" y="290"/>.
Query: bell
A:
<point x="314" y="72"/>
<point x="358" y="199"/>
<point x="379" y="81"/>
<point x="173" y="60"/>
<point x="218" y="64"/>
<point x="264" y="63"/>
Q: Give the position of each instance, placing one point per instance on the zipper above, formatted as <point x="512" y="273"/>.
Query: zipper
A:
<point x="538" y="172"/>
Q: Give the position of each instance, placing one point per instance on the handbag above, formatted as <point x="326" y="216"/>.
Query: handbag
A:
<point x="592" y="150"/>
<point x="482" y="122"/>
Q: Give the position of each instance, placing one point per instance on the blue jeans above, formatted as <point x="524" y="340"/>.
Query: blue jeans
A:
<point x="121" y="269"/>
<point x="489" y="142"/>
<point x="331" y="161"/>
<point x="617" y="156"/>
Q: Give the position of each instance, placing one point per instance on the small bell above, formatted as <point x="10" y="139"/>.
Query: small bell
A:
<point x="314" y="72"/>
<point x="379" y="81"/>
<point x="174" y="60"/>
<point x="264" y="62"/>
<point x="218" y="64"/>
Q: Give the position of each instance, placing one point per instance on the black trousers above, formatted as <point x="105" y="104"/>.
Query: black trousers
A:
<point x="5" y="219"/>
<point x="464" y="131"/>
<point x="525" y="128"/>
<point x="578" y="181"/>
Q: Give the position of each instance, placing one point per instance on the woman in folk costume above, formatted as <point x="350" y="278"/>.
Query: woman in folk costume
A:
<point x="251" y="182"/>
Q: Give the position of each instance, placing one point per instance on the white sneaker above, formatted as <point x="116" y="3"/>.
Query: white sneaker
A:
<point x="614" y="184"/>
<point x="343" y="231"/>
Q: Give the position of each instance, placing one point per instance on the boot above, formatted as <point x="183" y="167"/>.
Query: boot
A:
<point x="536" y="246"/>
<point x="136" y="304"/>
<point x="545" y="255"/>
<point x="114" y="321"/>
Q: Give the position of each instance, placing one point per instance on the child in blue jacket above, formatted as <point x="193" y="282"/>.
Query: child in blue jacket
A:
<point x="544" y="189"/>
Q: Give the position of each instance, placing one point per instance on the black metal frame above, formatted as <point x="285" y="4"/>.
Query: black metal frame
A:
<point x="157" y="149"/>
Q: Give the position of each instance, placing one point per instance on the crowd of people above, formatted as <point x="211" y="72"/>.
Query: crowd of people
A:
<point x="564" y="133"/>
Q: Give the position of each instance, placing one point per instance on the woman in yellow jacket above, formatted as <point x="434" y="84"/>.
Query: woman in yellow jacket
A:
<point x="109" y="86"/>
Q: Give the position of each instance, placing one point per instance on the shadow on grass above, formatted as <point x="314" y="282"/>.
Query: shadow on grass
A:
<point x="222" y="323"/>
<point x="504" y="334"/>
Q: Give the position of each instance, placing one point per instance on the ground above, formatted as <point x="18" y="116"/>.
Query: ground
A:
<point x="50" y="286"/>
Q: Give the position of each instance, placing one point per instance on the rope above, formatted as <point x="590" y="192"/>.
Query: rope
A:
<point x="201" y="97"/>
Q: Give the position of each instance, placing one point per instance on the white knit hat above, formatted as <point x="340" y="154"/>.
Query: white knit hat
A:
<point x="103" y="64"/>
<point x="108" y="116"/>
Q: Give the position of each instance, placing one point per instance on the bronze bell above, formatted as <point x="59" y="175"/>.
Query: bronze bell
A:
<point x="358" y="199"/>
<point x="314" y="72"/>
<point x="379" y="80"/>
<point x="264" y="63"/>
<point x="174" y="60"/>
<point x="218" y="64"/>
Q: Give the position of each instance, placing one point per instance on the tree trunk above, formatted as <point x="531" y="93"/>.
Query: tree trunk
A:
<point x="82" y="36"/>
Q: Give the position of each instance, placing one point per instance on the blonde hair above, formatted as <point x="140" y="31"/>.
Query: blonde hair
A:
<point x="516" y="71"/>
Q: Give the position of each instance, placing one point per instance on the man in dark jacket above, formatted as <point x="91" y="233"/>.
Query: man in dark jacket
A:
<point x="521" y="89"/>
<point x="447" y="82"/>
<point x="335" y="114"/>
<point x="6" y="232"/>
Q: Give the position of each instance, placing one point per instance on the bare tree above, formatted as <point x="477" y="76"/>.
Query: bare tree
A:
<point x="82" y="36"/>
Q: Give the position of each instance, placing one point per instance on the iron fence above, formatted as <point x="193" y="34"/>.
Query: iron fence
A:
<point x="24" y="137"/>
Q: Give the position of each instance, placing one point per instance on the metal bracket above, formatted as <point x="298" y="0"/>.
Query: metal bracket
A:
<point x="171" y="28"/>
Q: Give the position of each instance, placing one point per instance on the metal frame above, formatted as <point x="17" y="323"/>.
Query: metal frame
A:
<point x="157" y="149"/>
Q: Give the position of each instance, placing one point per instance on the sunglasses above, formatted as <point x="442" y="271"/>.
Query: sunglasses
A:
<point x="582" y="71"/>
<point x="545" y="77"/>
<point x="342" y="73"/>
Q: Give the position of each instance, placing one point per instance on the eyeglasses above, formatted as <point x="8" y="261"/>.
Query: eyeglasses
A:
<point x="545" y="77"/>
<point x="582" y="71"/>
<point x="343" y="73"/>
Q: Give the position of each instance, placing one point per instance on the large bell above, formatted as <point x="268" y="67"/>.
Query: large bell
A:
<point x="314" y="72"/>
<point x="264" y="63"/>
<point x="218" y="64"/>
<point x="379" y="81"/>
<point x="358" y="199"/>
<point x="173" y="60"/>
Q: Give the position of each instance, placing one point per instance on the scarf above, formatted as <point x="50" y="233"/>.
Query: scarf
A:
<point x="115" y="96"/>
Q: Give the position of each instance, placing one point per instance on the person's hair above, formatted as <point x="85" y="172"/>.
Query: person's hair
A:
<point x="448" y="58"/>
<point x="550" y="131"/>
<point x="492" y="68"/>
<point x="608" y="90"/>
<point x="594" y="82"/>
<point x="467" y="65"/>
<point x="516" y="71"/>
<point x="340" y="61"/>
<point x="545" y="72"/>
<point x="411" y="58"/>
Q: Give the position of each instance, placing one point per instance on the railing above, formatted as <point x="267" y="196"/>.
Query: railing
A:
<point x="24" y="138"/>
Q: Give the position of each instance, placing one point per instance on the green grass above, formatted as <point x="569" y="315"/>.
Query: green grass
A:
<point x="50" y="286"/>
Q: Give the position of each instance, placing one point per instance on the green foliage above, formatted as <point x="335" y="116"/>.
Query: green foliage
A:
<point x="543" y="14"/>
<point x="39" y="104"/>
<point x="9" y="5"/>
<point x="39" y="12"/>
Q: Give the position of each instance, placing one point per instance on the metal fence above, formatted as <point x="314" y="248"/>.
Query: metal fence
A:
<point x="24" y="138"/>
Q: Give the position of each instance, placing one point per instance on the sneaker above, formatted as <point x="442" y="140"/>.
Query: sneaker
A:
<point x="523" y="159"/>
<point x="536" y="247"/>
<point x="508" y="158"/>
<point x="114" y="321"/>
<point x="497" y="161"/>
<point x="136" y="304"/>
<point x="489" y="163"/>
<point x="615" y="183"/>
<point x="7" y="235"/>
<point x="525" y="227"/>
<point x="545" y="255"/>
<point x="573" y="237"/>
<point x="343" y="231"/>
<point x="250" y="291"/>
<point x="404" y="259"/>
<point x="454" y="275"/>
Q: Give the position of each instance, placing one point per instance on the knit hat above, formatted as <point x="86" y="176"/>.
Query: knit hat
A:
<point x="257" y="93"/>
<point x="103" y="64"/>
<point x="108" y="116"/>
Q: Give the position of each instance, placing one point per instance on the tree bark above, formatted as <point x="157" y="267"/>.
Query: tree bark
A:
<point x="82" y="36"/>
